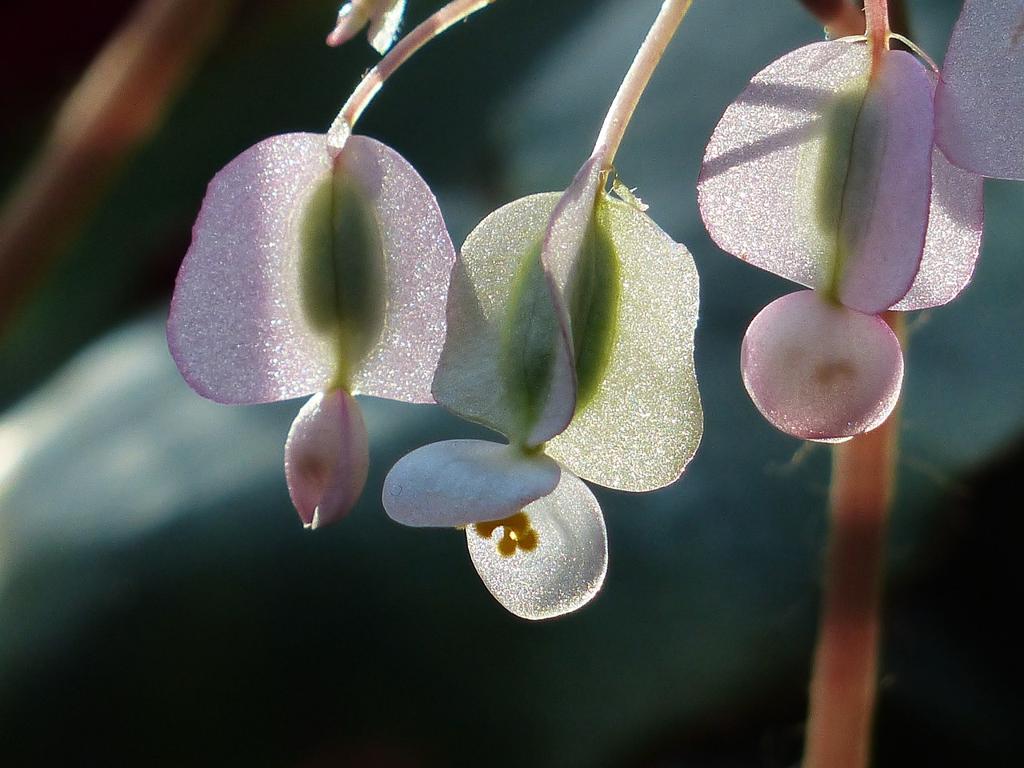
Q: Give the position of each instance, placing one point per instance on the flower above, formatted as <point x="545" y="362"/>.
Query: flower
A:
<point x="318" y="266"/>
<point x="824" y="171"/>
<point x="570" y="330"/>
<point x="383" y="17"/>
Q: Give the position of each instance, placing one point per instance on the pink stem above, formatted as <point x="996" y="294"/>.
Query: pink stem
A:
<point x="844" y="682"/>
<point x="876" y="14"/>
<point x="451" y="14"/>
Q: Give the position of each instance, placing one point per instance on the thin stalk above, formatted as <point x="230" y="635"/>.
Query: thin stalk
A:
<point x="639" y="75"/>
<point x="876" y="15"/>
<point x="451" y="14"/>
<point x="844" y="684"/>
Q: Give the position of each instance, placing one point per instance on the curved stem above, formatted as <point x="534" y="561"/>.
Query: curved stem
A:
<point x="844" y="682"/>
<point x="451" y="14"/>
<point x="639" y="75"/>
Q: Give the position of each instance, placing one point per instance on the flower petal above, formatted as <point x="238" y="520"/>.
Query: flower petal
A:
<point x="822" y="175"/>
<point x="505" y="362"/>
<point x="458" y="482"/>
<point x="644" y="421"/>
<point x="326" y="458"/>
<point x="418" y="260"/>
<point x="980" y="101"/>
<point x="236" y="329"/>
<point x="563" y="566"/>
<point x="749" y="190"/>
<point x="954" y="237"/>
<point x="384" y="25"/>
<point x="820" y="371"/>
<point x="886" y="191"/>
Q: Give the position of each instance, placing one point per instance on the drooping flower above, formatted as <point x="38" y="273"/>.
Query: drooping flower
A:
<point x="315" y="269"/>
<point x="824" y="172"/>
<point x="980" y="99"/>
<point x="570" y="330"/>
<point x="383" y="17"/>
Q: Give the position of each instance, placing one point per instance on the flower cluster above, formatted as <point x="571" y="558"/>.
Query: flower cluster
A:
<point x="321" y="265"/>
<point x="832" y="169"/>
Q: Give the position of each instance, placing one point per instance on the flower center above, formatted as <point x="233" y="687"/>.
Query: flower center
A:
<point x="518" y="534"/>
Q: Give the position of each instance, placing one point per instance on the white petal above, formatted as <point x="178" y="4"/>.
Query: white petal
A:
<point x="644" y="422"/>
<point x="567" y="567"/>
<point x="457" y="482"/>
<point x="470" y="379"/>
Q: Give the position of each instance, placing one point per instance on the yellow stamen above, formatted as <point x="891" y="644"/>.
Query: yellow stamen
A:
<point x="517" y="534"/>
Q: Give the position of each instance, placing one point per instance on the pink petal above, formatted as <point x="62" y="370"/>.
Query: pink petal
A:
<point x="419" y="256"/>
<point x="954" y="237"/>
<point x="753" y="199"/>
<point x="820" y="371"/>
<point x="458" y="482"/>
<point x="236" y="329"/>
<point x="776" y="191"/>
<point x="884" y="210"/>
<point x="980" y="101"/>
<point x="326" y="458"/>
<point x="470" y="379"/>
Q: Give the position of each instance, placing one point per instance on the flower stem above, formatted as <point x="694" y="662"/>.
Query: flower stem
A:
<point x="639" y="75"/>
<point x="844" y="681"/>
<point x="450" y="14"/>
<point x="876" y="15"/>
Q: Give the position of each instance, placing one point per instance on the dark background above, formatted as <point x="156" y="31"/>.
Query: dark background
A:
<point x="160" y="603"/>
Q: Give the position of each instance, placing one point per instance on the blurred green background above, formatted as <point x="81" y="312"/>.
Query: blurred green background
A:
<point x="160" y="604"/>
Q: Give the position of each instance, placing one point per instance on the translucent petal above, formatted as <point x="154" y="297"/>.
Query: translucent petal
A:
<point x="326" y="458"/>
<point x="980" y="102"/>
<point x="419" y="256"/>
<point x="954" y="237"/>
<point x="792" y="177"/>
<point x="563" y="242"/>
<point x="887" y="191"/>
<point x="236" y="329"/>
<point x="458" y="482"/>
<point x="384" y="25"/>
<point x="644" y="423"/>
<point x="566" y="564"/>
<point x="748" y="191"/>
<point x="352" y="17"/>
<point x="472" y="379"/>
<point x="820" y="371"/>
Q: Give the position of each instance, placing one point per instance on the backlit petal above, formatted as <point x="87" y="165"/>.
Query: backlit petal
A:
<point x="505" y="363"/>
<point x="820" y="371"/>
<point x="458" y="482"/>
<point x="418" y="260"/>
<point x="236" y="327"/>
<point x="980" y="101"/>
<point x="562" y="567"/>
<point x="326" y="458"/>
<point x="823" y="176"/>
<point x="644" y="421"/>
<point x="954" y="236"/>
<point x="886" y="193"/>
<point x="749" y="189"/>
